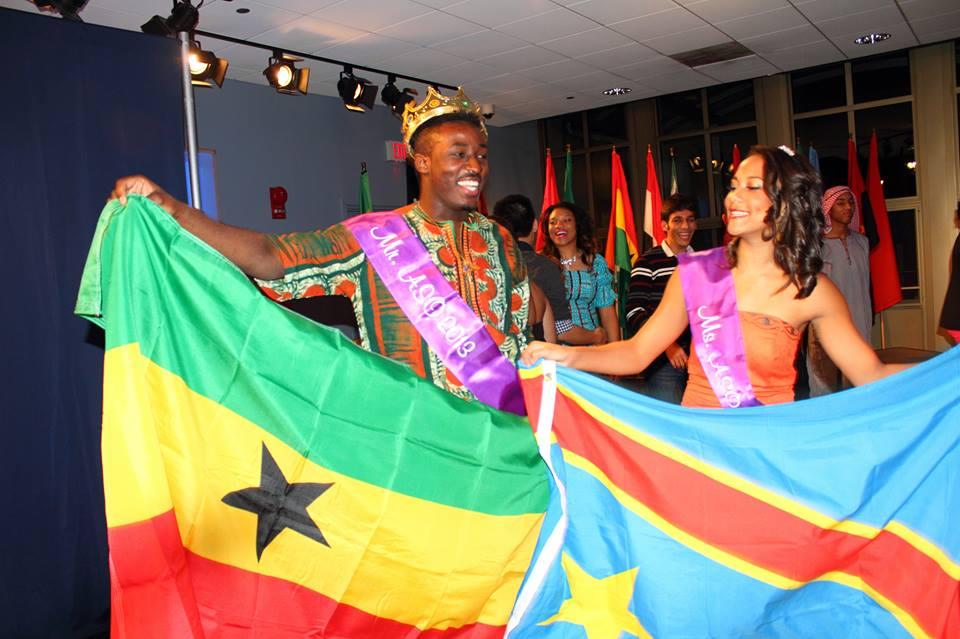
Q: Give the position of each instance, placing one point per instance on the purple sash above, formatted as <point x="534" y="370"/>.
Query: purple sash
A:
<point x="436" y="310"/>
<point x="712" y="308"/>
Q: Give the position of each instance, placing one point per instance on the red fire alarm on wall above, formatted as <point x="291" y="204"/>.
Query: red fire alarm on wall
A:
<point x="278" y="202"/>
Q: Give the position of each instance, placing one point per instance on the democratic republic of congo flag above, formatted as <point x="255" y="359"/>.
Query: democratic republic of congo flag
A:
<point x="829" y="518"/>
<point x="264" y="477"/>
<point x="623" y="247"/>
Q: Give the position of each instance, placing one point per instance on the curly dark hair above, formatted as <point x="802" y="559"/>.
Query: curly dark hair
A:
<point x="795" y="219"/>
<point x="585" y="240"/>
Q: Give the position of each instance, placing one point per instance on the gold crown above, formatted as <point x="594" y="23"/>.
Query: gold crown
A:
<point x="433" y="105"/>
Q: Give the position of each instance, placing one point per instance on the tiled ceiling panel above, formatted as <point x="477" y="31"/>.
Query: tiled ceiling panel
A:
<point x="534" y="54"/>
<point x="610" y="11"/>
<point x="493" y="13"/>
<point x="587" y="42"/>
<point x="431" y="28"/>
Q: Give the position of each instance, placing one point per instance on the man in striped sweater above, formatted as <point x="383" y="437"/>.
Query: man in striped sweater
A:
<point x="666" y="377"/>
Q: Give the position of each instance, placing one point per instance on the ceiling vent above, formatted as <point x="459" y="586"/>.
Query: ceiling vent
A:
<point x="711" y="55"/>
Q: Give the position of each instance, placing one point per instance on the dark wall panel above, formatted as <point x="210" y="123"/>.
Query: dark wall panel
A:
<point x="81" y="106"/>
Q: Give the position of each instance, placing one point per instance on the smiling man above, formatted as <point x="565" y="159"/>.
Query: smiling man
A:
<point x="401" y="309"/>
<point x="665" y="378"/>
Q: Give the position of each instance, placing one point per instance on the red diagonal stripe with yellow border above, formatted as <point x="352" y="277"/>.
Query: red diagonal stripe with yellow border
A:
<point x="763" y="535"/>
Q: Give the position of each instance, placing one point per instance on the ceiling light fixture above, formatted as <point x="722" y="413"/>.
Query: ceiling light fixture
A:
<point x="617" y="91"/>
<point x="184" y="17"/>
<point x="357" y="93"/>
<point x="872" y="38"/>
<point x="206" y="69"/>
<point x="394" y="98"/>
<point x="284" y="76"/>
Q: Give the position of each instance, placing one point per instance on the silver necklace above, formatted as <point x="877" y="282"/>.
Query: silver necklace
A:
<point x="568" y="261"/>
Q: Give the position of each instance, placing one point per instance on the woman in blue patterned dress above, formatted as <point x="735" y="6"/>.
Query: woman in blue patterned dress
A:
<point x="588" y="279"/>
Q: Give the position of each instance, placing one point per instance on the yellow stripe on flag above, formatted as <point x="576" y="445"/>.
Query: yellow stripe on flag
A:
<point x="166" y="446"/>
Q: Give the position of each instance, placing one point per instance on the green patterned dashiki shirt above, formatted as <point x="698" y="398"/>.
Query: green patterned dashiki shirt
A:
<point x="482" y="263"/>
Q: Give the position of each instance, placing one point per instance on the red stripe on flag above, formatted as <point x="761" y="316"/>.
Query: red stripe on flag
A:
<point x="150" y="590"/>
<point x="758" y="532"/>
<point x="653" y="203"/>
<point x="550" y="197"/>
<point x="168" y="591"/>
<point x="884" y="275"/>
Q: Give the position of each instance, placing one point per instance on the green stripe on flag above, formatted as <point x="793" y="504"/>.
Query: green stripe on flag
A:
<point x="195" y="314"/>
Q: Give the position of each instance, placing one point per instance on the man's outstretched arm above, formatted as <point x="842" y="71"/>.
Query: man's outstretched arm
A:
<point x="250" y="250"/>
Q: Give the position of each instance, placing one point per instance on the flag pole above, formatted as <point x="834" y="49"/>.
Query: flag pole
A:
<point x="190" y="119"/>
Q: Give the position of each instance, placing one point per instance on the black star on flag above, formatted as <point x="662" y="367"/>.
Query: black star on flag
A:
<point x="278" y="504"/>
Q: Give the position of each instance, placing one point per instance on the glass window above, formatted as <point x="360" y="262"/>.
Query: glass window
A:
<point x="828" y="135"/>
<point x="689" y="157"/>
<point x="882" y="76"/>
<point x="563" y="130"/>
<point x="600" y="163"/>
<point x="903" y="229"/>
<point x="818" y="88"/>
<point x="894" y="127"/>
<point x="607" y="126"/>
<point x="731" y="103"/>
<point x="680" y="112"/>
<point x="721" y="150"/>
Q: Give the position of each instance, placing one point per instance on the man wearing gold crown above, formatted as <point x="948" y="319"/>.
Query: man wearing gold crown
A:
<point x="434" y="285"/>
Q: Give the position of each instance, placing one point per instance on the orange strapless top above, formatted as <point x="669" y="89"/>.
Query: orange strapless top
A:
<point x="771" y="345"/>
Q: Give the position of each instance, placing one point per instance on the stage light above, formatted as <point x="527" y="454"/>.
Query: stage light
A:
<point x="184" y="17"/>
<point x="66" y="8"/>
<point x="395" y="98"/>
<point x="205" y="67"/>
<point x="284" y="76"/>
<point x="356" y="92"/>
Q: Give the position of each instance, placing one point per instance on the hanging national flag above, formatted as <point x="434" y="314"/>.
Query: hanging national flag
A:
<point x="884" y="275"/>
<point x="674" y="187"/>
<point x="652" y="203"/>
<point x="550" y="198"/>
<point x="854" y="178"/>
<point x="814" y="157"/>
<point x="366" y="202"/>
<point x="735" y="162"/>
<point x="753" y="522"/>
<point x="623" y="246"/>
<point x="252" y="492"/>
<point x="799" y="150"/>
<point x="568" y="177"/>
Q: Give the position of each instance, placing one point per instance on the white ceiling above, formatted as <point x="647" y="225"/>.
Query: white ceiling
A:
<point x="528" y="56"/>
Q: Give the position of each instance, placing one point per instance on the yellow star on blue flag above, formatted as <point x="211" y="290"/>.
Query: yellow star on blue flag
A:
<point x="600" y="605"/>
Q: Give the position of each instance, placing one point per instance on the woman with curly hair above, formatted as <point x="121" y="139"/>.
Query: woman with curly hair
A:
<point x="748" y="303"/>
<point x="587" y="277"/>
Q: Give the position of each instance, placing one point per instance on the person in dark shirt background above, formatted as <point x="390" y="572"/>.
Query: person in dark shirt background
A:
<point x="950" y="315"/>
<point x="666" y="377"/>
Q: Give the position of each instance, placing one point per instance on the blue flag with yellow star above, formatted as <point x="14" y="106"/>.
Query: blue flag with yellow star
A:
<point x="828" y="518"/>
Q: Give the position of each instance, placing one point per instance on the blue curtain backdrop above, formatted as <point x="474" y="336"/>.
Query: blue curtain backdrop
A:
<point x="82" y="105"/>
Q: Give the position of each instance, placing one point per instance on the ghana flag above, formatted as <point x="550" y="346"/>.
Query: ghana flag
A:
<point x="623" y="247"/>
<point x="828" y="518"/>
<point x="266" y="477"/>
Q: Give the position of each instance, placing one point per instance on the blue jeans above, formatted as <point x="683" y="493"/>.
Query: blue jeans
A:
<point x="664" y="382"/>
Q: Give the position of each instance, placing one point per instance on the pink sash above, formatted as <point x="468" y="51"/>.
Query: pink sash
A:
<point x="715" y="326"/>
<point x="436" y="310"/>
